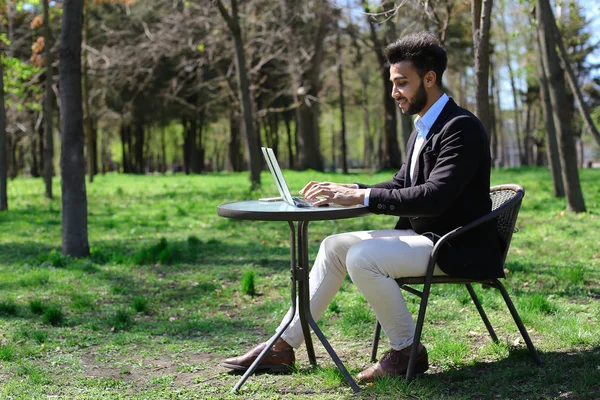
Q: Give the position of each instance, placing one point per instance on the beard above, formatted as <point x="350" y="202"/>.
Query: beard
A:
<point x="418" y="102"/>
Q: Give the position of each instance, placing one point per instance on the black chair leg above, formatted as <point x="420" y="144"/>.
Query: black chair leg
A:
<point x="376" y="337"/>
<point x="517" y="318"/>
<point x="410" y="373"/>
<point x="482" y="313"/>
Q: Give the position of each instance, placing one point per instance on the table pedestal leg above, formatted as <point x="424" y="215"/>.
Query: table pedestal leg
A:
<point x="299" y="271"/>
<point x="273" y="339"/>
<point x="306" y="318"/>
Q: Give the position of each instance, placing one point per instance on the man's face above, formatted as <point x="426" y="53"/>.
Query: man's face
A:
<point x="408" y="88"/>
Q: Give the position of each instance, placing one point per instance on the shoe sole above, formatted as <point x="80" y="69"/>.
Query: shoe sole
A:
<point x="261" y="367"/>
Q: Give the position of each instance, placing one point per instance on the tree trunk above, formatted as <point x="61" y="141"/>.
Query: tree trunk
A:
<point x="308" y="114"/>
<point x="72" y="162"/>
<point x="138" y="147"/>
<point x="34" y="144"/>
<point x="481" y="45"/>
<point x="40" y="142"/>
<point x="558" y="95"/>
<point x="236" y="159"/>
<point x="90" y="136"/>
<point x="564" y="56"/>
<point x="340" y="73"/>
<point x="390" y="152"/>
<point x="521" y="144"/>
<point x="3" y="149"/>
<point x="368" y="136"/>
<point x="240" y="61"/>
<point x="290" y="140"/>
<point x="493" y="125"/>
<point x="551" y="140"/>
<point x="48" y="105"/>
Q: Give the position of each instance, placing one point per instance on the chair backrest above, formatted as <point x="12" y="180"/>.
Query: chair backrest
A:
<point x="507" y="199"/>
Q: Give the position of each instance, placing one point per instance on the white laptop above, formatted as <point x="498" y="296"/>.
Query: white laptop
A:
<point x="284" y="191"/>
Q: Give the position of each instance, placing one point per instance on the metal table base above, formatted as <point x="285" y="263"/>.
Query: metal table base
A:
<point x="299" y="273"/>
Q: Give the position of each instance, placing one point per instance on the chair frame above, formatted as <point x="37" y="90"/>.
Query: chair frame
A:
<point x="510" y="208"/>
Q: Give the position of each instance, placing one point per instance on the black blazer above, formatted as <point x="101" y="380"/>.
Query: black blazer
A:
<point x="450" y="188"/>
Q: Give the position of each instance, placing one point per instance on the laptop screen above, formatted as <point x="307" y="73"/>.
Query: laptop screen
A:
<point x="273" y="165"/>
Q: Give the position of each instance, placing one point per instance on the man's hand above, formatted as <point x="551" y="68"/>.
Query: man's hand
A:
<point x="338" y="193"/>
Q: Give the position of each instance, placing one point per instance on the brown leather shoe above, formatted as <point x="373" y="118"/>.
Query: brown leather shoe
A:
<point x="395" y="363"/>
<point x="277" y="359"/>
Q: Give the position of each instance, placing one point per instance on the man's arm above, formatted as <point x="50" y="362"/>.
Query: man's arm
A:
<point x="463" y="148"/>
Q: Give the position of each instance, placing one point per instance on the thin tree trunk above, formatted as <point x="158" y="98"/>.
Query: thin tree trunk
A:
<point x="308" y="113"/>
<point x="564" y="56"/>
<point x="481" y="44"/>
<point x="521" y="145"/>
<point x="290" y="141"/>
<point x="368" y="137"/>
<point x="240" y="61"/>
<point x="3" y="149"/>
<point x="72" y="162"/>
<point x="390" y="151"/>
<point x="90" y="137"/>
<point x="493" y="125"/>
<point x="551" y="140"/>
<point x="48" y="105"/>
<point x="340" y="72"/>
<point x="236" y="159"/>
<point x="557" y="91"/>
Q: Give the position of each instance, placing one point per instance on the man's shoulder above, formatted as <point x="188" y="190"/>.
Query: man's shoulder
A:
<point x="458" y="115"/>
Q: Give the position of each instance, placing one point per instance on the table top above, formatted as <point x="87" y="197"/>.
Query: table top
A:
<point x="282" y="211"/>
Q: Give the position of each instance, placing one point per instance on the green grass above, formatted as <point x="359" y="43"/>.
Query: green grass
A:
<point x="161" y="300"/>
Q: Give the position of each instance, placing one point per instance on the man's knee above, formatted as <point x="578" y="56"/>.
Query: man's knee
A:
<point x="337" y="245"/>
<point x="359" y="261"/>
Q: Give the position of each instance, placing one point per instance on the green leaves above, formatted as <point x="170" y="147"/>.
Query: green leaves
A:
<point x="18" y="80"/>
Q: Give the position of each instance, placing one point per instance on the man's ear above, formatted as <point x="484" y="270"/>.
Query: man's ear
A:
<point x="430" y="79"/>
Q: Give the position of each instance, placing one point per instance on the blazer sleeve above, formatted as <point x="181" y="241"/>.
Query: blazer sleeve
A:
<point x="397" y="182"/>
<point x="461" y="151"/>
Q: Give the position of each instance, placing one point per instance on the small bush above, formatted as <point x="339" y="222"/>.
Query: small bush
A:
<point x="53" y="315"/>
<point x="57" y="259"/>
<point x="120" y="321"/>
<point x="40" y="336"/>
<point x="182" y="212"/>
<point x="161" y="252"/>
<point x="140" y="304"/>
<point x="248" y="284"/>
<point x="8" y="352"/>
<point x="35" y="278"/>
<point x="538" y="303"/>
<point x="81" y="301"/>
<point x="193" y="241"/>
<point x="334" y="307"/>
<point x="8" y="307"/>
<point x="36" y="306"/>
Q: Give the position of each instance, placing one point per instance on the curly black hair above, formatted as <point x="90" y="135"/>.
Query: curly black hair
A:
<point x="423" y="49"/>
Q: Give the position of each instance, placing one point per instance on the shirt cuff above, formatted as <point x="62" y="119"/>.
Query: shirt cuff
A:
<point x="367" y="194"/>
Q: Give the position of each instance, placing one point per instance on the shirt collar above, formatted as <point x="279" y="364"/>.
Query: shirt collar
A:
<point x="424" y="124"/>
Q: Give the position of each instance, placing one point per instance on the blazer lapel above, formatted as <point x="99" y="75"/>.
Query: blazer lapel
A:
<point x="437" y="126"/>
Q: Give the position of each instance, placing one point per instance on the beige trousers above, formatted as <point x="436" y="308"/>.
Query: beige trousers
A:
<point x="373" y="259"/>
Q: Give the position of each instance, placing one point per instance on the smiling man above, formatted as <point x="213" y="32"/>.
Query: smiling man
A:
<point x="444" y="184"/>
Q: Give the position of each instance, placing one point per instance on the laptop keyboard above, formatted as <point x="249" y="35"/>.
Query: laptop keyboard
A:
<point x="302" y="202"/>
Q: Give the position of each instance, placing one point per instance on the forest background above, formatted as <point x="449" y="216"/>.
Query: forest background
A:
<point x="161" y="87"/>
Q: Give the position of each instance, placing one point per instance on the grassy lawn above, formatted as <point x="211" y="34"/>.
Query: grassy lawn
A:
<point x="160" y="302"/>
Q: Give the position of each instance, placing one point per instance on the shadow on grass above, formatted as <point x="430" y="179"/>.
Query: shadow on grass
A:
<point x="569" y="374"/>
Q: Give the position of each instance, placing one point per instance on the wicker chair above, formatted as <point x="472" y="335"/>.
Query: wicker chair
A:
<point x="506" y="201"/>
